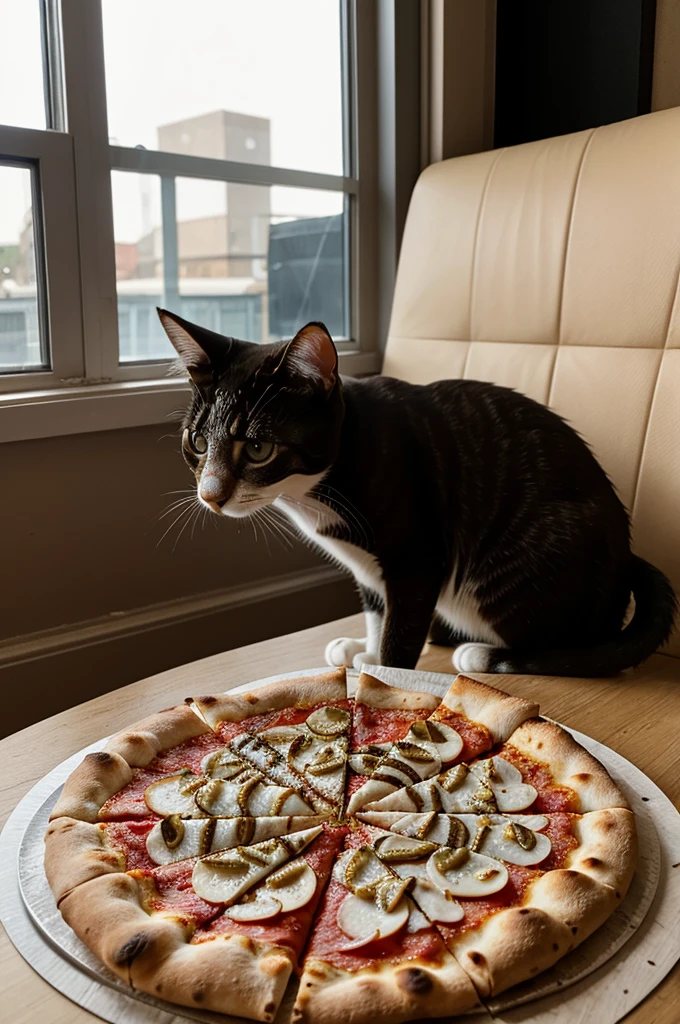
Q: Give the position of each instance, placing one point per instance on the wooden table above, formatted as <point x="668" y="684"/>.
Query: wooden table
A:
<point x="638" y="715"/>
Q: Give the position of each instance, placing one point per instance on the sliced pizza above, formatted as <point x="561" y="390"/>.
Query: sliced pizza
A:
<point x="77" y="851"/>
<point x="471" y="719"/>
<point x="150" y="926"/>
<point x="373" y="957"/>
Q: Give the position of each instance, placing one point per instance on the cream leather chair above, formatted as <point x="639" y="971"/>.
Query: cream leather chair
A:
<point x="553" y="268"/>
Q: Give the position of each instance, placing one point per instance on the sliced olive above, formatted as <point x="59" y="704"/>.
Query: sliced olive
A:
<point x="206" y="794"/>
<point x="421" y="830"/>
<point x="435" y="797"/>
<point x="358" y="863"/>
<point x="400" y="766"/>
<point x="287" y="874"/>
<point x="226" y="862"/>
<point x="206" y="838"/>
<point x="300" y="743"/>
<point x="327" y="760"/>
<point x="245" y="830"/>
<point x="403" y="854"/>
<point x="245" y="791"/>
<point x="445" y="859"/>
<point x="172" y="830"/>
<point x="414" y="752"/>
<point x="522" y="835"/>
<point x="480" y="835"/>
<point x="329" y="721"/>
<point x="252" y="855"/>
<point x="391" y="891"/>
<point x="364" y="764"/>
<point x="458" y="833"/>
<point x="486" y="873"/>
<point x="190" y="783"/>
<point x="453" y="778"/>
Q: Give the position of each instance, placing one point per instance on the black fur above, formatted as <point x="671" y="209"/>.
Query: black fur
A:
<point x="457" y="479"/>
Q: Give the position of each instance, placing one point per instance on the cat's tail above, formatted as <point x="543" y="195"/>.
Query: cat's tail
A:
<point x="656" y="606"/>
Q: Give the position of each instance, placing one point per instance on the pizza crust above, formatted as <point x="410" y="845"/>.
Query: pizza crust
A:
<point x="560" y="910"/>
<point x="97" y="778"/>
<point x="77" y="851"/>
<point x="569" y="763"/>
<point x="229" y="974"/>
<point x="146" y="739"/>
<point x="376" y="694"/>
<point x="389" y="993"/>
<point x="607" y="849"/>
<point x="299" y="692"/>
<point x="498" y="711"/>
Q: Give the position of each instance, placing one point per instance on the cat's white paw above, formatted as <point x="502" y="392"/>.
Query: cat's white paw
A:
<point x="342" y="652"/>
<point x="472" y="657"/>
<point x="365" y="658"/>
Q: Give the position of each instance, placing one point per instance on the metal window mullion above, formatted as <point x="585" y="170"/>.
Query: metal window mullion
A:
<point x="170" y="246"/>
<point x="84" y="76"/>
<point x="151" y="161"/>
<point x="53" y="67"/>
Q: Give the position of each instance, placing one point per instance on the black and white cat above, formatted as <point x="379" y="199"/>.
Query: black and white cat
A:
<point x="465" y="511"/>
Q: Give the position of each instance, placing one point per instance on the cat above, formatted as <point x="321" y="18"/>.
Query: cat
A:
<point x="465" y="511"/>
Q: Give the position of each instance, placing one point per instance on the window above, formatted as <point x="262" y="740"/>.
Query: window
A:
<point x="203" y="158"/>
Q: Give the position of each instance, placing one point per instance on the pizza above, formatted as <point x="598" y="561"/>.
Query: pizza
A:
<point x="394" y="855"/>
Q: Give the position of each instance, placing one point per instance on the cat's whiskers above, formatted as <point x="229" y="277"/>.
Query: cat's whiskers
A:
<point x="188" y="508"/>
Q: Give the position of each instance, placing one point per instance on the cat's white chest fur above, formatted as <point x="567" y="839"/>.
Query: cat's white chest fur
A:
<point x="313" y="516"/>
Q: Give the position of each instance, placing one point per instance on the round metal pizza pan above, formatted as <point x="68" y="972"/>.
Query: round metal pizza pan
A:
<point x="614" y="969"/>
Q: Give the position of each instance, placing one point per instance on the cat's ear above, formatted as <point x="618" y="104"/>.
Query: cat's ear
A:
<point x="312" y="355"/>
<point x="196" y="347"/>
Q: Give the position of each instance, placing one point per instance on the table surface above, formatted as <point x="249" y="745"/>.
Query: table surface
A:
<point x="638" y="717"/>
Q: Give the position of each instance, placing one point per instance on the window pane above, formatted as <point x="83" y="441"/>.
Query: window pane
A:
<point x="20" y="346"/>
<point x="22" y="101"/>
<point x="138" y="234"/>
<point x="251" y="261"/>
<point x="253" y="80"/>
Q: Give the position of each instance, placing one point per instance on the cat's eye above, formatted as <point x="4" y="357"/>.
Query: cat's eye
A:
<point x="259" y="451"/>
<point x="197" y="442"/>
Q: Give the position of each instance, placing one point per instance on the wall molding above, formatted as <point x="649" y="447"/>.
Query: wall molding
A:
<point x="90" y="632"/>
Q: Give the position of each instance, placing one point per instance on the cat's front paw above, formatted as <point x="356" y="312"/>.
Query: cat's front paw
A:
<point x="343" y="652"/>
<point x="472" y="658"/>
<point x="365" y="658"/>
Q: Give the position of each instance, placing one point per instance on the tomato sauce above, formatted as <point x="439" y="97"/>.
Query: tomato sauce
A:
<point x="551" y="797"/>
<point x="382" y="725"/>
<point x="168" y="890"/>
<point x="130" y="837"/>
<point x="476" y="738"/>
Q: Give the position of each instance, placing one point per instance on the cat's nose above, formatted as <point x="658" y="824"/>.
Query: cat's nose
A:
<point x="216" y="490"/>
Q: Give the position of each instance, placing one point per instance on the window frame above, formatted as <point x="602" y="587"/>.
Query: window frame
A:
<point x="88" y="389"/>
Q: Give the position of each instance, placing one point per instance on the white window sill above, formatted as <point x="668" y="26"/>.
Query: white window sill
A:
<point x="54" y="412"/>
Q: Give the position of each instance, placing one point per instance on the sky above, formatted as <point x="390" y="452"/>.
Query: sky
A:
<point x="167" y="60"/>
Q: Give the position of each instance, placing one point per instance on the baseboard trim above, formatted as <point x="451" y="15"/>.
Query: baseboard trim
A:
<point x="89" y="632"/>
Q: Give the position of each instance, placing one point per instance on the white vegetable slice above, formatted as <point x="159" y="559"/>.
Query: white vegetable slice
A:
<point x="209" y="835"/>
<point x="505" y="782"/>
<point x="224" y="877"/>
<point x="293" y="885"/>
<point x="254" y="910"/>
<point x="474" y="875"/>
<point x="273" y="763"/>
<point x="364" y="921"/>
<point x="175" y="795"/>
<point x="444" y="737"/>
<point x="437" y="904"/>
<point x="222" y="764"/>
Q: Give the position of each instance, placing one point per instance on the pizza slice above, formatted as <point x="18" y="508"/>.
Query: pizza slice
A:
<point x="151" y="927"/>
<point x="381" y="715"/>
<point x="294" y="732"/>
<point x="471" y="718"/>
<point x="373" y="957"/>
<point x="77" y="851"/>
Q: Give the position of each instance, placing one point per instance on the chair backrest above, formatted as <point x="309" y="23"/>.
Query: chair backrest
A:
<point x="553" y="267"/>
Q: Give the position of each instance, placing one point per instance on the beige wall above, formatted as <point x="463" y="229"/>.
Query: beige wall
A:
<point x="666" y="83"/>
<point x="81" y="536"/>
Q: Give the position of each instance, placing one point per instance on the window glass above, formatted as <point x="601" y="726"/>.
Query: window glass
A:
<point x="22" y="102"/>
<point x="20" y="336"/>
<point x="249" y="80"/>
<point x="138" y="234"/>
